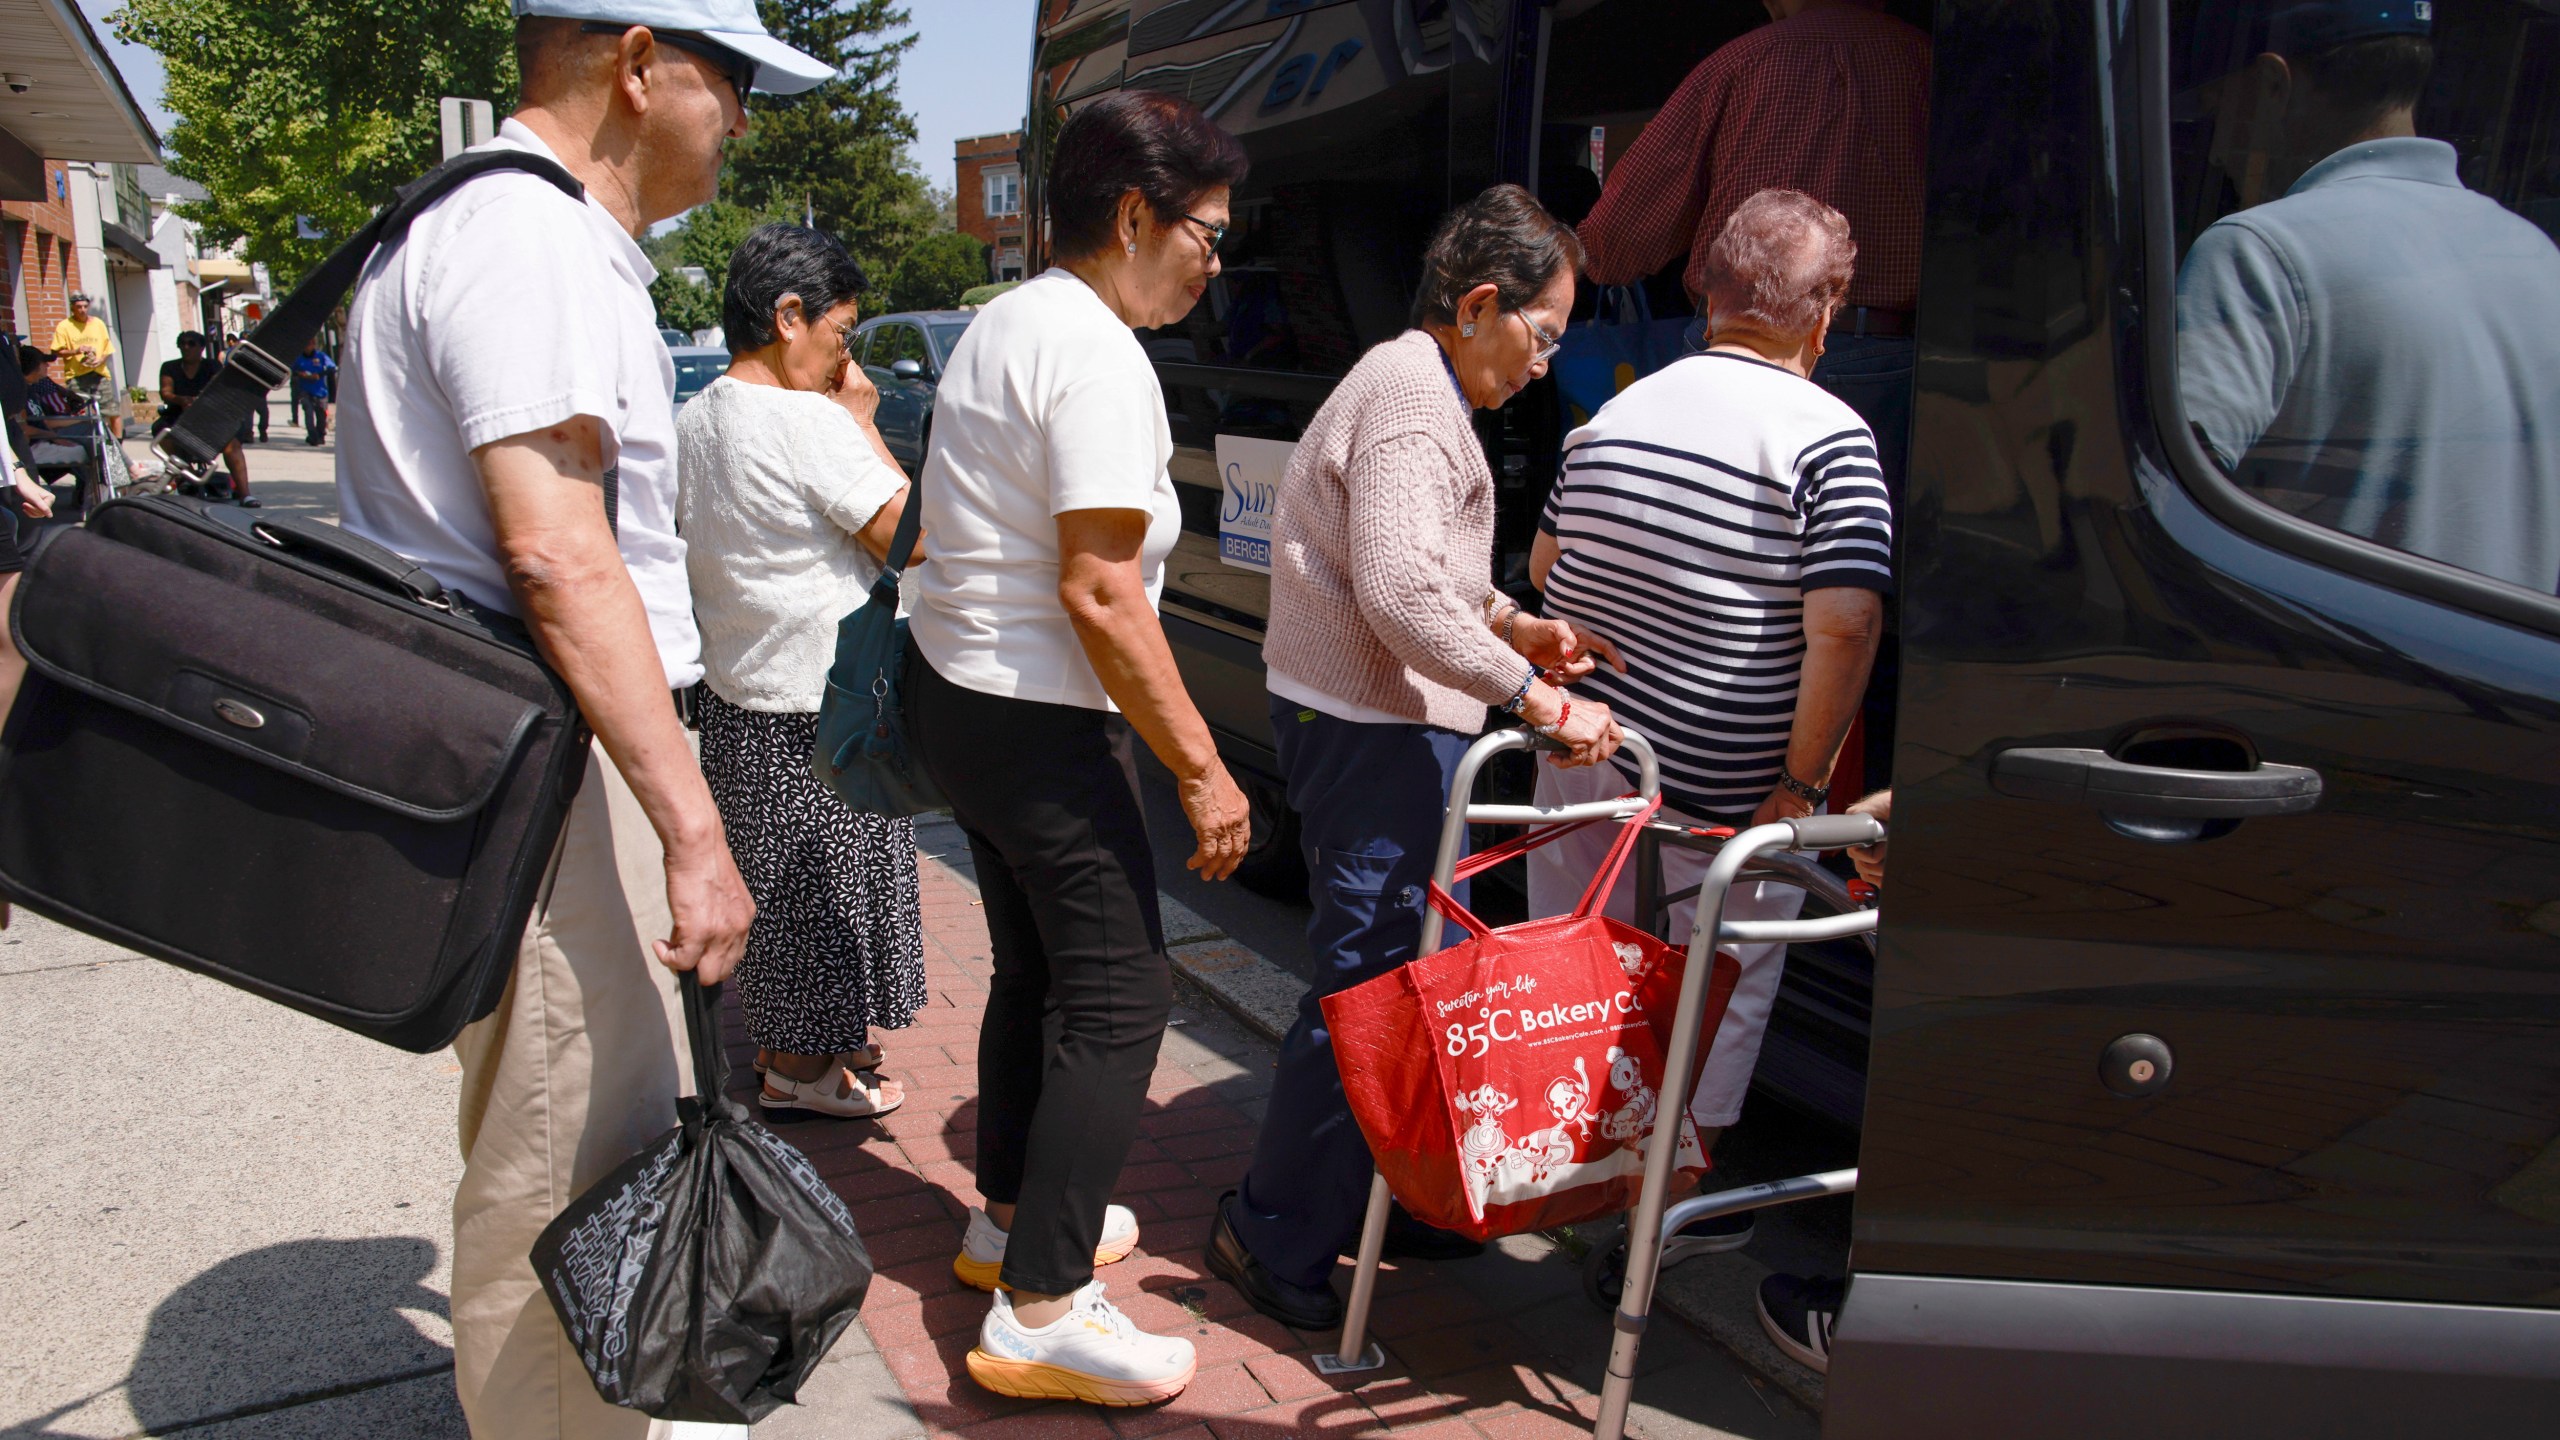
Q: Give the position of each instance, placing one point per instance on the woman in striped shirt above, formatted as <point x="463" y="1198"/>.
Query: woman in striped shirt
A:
<point x="1724" y="521"/>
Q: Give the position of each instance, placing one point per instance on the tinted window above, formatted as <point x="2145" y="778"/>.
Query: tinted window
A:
<point x="695" y="372"/>
<point x="946" y="336"/>
<point x="895" y="342"/>
<point x="2368" y="288"/>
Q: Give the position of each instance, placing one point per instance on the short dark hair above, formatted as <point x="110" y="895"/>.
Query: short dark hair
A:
<point x="1159" y="145"/>
<point x="1503" y="238"/>
<point x="2368" y="79"/>
<point x="545" y="45"/>
<point x="184" y="336"/>
<point x="31" y="359"/>
<point x="778" y="260"/>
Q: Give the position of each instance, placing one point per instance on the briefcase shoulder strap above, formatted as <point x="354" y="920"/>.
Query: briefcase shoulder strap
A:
<point x="264" y="360"/>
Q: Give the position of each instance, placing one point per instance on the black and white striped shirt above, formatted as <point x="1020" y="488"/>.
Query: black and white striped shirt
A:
<point x="1694" y="511"/>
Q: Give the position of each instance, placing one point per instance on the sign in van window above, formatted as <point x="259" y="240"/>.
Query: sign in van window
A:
<point x="1249" y="480"/>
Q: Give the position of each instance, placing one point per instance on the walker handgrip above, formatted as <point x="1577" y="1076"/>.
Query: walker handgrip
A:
<point x="1831" y="832"/>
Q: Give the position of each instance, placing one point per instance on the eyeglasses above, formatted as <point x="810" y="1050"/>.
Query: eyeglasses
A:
<point x="1217" y="233"/>
<point x="737" y="69"/>
<point x="1547" y="344"/>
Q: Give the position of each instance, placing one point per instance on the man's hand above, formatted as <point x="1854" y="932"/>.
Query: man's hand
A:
<point x="34" y="498"/>
<point x="712" y="911"/>
<point x="1221" y="819"/>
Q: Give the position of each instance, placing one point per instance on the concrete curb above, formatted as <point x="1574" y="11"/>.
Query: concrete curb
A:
<point x="1718" y="1295"/>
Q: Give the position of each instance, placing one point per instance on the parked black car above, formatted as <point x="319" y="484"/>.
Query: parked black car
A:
<point x="2329" y="1203"/>
<point x="904" y="354"/>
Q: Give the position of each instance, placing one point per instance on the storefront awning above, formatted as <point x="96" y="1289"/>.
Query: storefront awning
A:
<point x="128" y="245"/>
<point x="75" y="106"/>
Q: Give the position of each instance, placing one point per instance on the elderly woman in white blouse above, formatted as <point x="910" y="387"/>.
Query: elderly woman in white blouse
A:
<point x="787" y="500"/>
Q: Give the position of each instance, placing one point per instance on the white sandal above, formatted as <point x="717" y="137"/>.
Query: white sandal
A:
<point x="864" y="1094"/>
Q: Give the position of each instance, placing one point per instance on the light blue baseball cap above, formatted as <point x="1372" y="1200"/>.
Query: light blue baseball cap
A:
<point x="732" y="24"/>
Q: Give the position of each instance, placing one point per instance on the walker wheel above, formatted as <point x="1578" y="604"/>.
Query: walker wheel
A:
<point x="1604" y="1272"/>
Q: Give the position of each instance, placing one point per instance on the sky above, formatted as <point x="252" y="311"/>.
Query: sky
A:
<point x="966" y="75"/>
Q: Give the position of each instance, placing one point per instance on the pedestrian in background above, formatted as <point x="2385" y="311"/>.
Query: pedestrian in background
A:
<point x="1387" y="643"/>
<point x="315" y="384"/>
<point x="1036" y="632"/>
<point x="788" y="500"/>
<point x="181" y="381"/>
<point x="503" y="367"/>
<point x="62" y="428"/>
<point x="83" y="343"/>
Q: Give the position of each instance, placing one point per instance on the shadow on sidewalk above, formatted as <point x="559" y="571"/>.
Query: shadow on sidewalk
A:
<point x="289" y="1325"/>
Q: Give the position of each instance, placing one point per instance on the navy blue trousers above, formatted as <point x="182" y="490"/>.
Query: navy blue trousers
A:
<point x="1369" y="799"/>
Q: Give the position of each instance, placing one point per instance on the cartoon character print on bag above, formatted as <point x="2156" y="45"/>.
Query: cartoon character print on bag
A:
<point x="1634" y="1115"/>
<point x="1482" y="1148"/>
<point x="1630" y="958"/>
<point x="1541" y="1153"/>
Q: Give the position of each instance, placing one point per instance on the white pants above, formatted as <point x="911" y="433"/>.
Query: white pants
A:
<point x="1559" y="872"/>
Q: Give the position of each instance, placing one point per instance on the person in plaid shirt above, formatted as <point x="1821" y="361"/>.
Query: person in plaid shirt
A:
<point x="1830" y="98"/>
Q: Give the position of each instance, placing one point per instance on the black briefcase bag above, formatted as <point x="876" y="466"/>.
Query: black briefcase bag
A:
<point x="276" y="753"/>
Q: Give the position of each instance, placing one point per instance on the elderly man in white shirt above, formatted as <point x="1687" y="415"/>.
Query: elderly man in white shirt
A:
<point x="503" y="378"/>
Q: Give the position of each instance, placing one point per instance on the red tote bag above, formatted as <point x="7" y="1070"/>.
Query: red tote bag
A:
<point x="1511" y="1082"/>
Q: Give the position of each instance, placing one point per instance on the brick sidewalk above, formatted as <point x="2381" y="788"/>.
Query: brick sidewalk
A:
<point x="1454" y="1358"/>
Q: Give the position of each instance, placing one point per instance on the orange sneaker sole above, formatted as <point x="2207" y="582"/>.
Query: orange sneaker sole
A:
<point x="1029" y="1380"/>
<point x="982" y="1274"/>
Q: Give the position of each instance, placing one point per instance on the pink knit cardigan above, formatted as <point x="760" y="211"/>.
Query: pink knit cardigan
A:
<point x="1382" y="548"/>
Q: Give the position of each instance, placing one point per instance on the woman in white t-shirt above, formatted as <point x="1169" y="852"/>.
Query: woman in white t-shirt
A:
<point x="787" y="500"/>
<point x="1035" y="632"/>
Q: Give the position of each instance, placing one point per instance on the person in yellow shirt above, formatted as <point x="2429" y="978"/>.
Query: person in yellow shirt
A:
<point x="83" y="343"/>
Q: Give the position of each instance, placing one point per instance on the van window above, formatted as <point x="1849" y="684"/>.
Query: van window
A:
<point x="2366" y="195"/>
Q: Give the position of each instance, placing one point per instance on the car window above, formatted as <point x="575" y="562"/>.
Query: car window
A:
<point x="946" y="337"/>
<point x="694" y="373"/>
<point x="2366" y="195"/>
<point x="895" y="342"/>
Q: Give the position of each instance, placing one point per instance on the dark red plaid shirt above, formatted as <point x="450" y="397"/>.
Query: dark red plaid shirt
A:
<point x="1834" y="102"/>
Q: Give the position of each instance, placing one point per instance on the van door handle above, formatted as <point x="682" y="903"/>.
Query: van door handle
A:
<point x="2093" y="777"/>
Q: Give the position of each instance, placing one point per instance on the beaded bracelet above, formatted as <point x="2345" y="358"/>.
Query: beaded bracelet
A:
<point x="1520" y="697"/>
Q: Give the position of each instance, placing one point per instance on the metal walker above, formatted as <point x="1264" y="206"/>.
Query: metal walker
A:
<point x="1655" y="1220"/>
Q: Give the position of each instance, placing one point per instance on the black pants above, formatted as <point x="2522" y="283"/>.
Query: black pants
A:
<point x="1048" y="796"/>
<point x="313" y="412"/>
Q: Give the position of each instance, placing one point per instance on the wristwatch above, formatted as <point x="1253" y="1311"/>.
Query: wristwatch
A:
<point x="1809" y="794"/>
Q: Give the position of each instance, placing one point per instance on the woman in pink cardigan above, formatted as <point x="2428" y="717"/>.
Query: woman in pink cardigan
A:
<point x="1387" y="644"/>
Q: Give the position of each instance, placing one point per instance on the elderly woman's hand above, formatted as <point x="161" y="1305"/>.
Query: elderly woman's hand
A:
<point x="854" y="391"/>
<point x="1563" y="651"/>
<point x="1588" y="733"/>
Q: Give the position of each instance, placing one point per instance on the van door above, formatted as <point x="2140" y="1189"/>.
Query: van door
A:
<point x="2215" y="1086"/>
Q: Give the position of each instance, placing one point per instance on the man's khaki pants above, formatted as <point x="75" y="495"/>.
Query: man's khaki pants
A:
<point x="572" y="1074"/>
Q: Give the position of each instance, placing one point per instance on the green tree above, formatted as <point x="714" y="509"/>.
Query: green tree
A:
<point x="837" y="153"/>
<point x="312" y="111"/>
<point x="936" y="270"/>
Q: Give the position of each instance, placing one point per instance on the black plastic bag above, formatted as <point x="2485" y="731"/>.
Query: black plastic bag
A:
<point x="705" y="1278"/>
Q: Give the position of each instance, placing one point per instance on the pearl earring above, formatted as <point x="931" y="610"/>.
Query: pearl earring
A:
<point x="1133" y="247"/>
<point x="1467" y="330"/>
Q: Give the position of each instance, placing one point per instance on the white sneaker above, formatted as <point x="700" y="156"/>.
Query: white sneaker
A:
<point x="981" y="1254"/>
<point x="1092" y="1353"/>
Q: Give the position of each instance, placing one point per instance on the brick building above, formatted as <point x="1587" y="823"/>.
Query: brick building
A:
<point x="39" y="255"/>
<point x="987" y="192"/>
